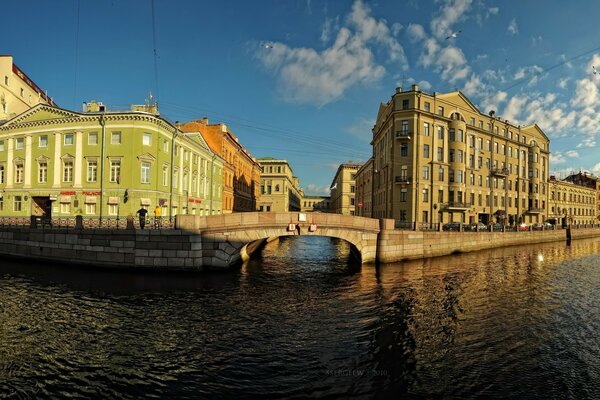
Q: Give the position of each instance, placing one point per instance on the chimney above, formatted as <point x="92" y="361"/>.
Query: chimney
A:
<point x="415" y="88"/>
<point x="398" y="90"/>
<point x="205" y="121"/>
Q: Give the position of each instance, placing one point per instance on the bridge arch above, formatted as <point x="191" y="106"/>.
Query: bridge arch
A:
<point x="229" y="239"/>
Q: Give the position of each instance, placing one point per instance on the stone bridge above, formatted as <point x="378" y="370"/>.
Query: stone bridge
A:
<point x="230" y="238"/>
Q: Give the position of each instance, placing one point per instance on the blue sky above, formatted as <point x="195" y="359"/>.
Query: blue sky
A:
<point x="302" y="80"/>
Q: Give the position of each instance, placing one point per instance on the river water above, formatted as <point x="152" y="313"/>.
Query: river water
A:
<point x="302" y="320"/>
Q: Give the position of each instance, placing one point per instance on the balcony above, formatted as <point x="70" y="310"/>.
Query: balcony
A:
<point x="457" y="206"/>
<point x="403" y="179"/>
<point x="500" y="171"/>
<point x="535" y="210"/>
<point x="403" y="135"/>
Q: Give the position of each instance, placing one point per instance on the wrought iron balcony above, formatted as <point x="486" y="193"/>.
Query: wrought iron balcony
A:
<point x="535" y="210"/>
<point x="500" y="171"/>
<point x="403" y="135"/>
<point x="457" y="205"/>
<point x="403" y="179"/>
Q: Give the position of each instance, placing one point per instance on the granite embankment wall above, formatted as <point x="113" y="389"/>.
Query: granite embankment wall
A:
<point x="396" y="245"/>
<point x="161" y="248"/>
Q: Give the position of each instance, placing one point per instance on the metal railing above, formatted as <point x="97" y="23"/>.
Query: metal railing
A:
<point x="461" y="227"/>
<point x="86" y="222"/>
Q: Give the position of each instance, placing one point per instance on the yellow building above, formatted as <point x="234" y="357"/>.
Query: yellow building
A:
<point x="437" y="158"/>
<point x="364" y="190"/>
<point x="18" y="92"/>
<point x="573" y="200"/>
<point x="279" y="188"/>
<point x="316" y="203"/>
<point x="343" y="189"/>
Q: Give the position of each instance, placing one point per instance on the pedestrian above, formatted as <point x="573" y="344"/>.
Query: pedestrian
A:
<point x="157" y="221"/>
<point x="142" y="213"/>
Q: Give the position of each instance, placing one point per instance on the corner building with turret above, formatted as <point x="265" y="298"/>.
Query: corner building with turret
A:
<point x="438" y="159"/>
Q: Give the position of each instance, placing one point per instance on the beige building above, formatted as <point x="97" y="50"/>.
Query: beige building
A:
<point x="573" y="200"/>
<point x="437" y="158"/>
<point x="18" y="92"/>
<point x="343" y="189"/>
<point x="279" y="188"/>
<point x="316" y="203"/>
<point x="364" y="190"/>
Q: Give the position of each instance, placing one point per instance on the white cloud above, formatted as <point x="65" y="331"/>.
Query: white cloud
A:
<point x="586" y="94"/>
<point x="313" y="189"/>
<point x="429" y="55"/>
<point x="572" y="154"/>
<point x="396" y="28"/>
<point x="473" y="86"/>
<point x="588" y="142"/>
<point x="306" y="75"/>
<point x="513" y="29"/>
<point x="562" y="83"/>
<point x="481" y="57"/>
<point x="416" y="32"/>
<point x="536" y="40"/>
<point x="596" y="169"/>
<point x="557" y="158"/>
<point x="493" y="102"/>
<point x="424" y="85"/>
<point x="513" y="109"/>
<point x="452" y="64"/>
<point x="451" y="12"/>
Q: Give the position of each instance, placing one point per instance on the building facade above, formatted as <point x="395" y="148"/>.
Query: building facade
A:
<point x="364" y="190"/>
<point x="316" y="203"/>
<point x="241" y="173"/>
<point x="437" y="159"/>
<point x="279" y="188"/>
<point x="55" y="162"/>
<point x="573" y="200"/>
<point x="343" y="189"/>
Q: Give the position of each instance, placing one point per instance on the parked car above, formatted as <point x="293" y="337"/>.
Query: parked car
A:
<point x="474" y="227"/>
<point x="497" y="227"/>
<point x="452" y="226"/>
<point x="523" y="227"/>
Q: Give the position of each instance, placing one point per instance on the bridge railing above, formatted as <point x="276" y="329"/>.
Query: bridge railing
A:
<point x="456" y="227"/>
<point x="43" y="222"/>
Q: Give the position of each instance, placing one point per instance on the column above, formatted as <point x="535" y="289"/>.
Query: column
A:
<point x="78" y="160"/>
<point x="10" y="178"/>
<point x="57" y="160"/>
<point x="28" y="160"/>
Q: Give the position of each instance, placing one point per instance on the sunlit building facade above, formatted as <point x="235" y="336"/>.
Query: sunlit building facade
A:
<point x="364" y="190"/>
<point x="100" y="163"/>
<point x="343" y="189"/>
<point x="280" y="189"/>
<point x="437" y="159"/>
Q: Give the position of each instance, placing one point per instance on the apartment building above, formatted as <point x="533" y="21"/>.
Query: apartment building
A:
<point x="280" y="189"/>
<point x="18" y="92"/>
<point x="437" y="158"/>
<point x="241" y="172"/>
<point x="574" y="199"/>
<point x="343" y="189"/>
<point x="316" y="203"/>
<point x="364" y="190"/>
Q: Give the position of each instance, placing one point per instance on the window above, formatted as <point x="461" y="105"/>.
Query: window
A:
<point x="440" y="196"/>
<point x="441" y="174"/>
<point x="277" y="188"/>
<point x="427" y="106"/>
<point x="92" y="170"/>
<point x="1" y="173"/>
<point x="426" y="172"/>
<point x="17" y="203"/>
<point x="113" y="209"/>
<point x="451" y="135"/>
<point x="68" y="140"/>
<point x="426" y="195"/>
<point x="440" y="154"/>
<point x="174" y="178"/>
<point x="440" y="110"/>
<point x="115" y="138"/>
<point x="404" y="128"/>
<point x="403" y="195"/>
<point x="42" y="172"/>
<point x="19" y="172"/>
<point x="92" y="138"/>
<point x="426" y="150"/>
<point x="115" y="171"/>
<point x="405" y="104"/>
<point x="147" y="139"/>
<point x="472" y="121"/>
<point x="426" y="129"/>
<point x="1" y="145"/>
<point x="145" y="172"/>
<point x="6" y="80"/>
<point x="20" y="143"/>
<point x="440" y="130"/>
<point x="90" y="208"/>
<point x="22" y="92"/>
<point x="67" y="171"/>
<point x="165" y="176"/>
<point x="43" y="141"/>
<point x="65" y="208"/>
<point x="166" y="146"/>
<point x="403" y="150"/>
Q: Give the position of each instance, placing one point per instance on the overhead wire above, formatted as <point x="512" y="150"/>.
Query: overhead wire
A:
<point x="77" y="7"/>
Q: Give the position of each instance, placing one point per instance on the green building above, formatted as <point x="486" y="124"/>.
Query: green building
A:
<point x="99" y="163"/>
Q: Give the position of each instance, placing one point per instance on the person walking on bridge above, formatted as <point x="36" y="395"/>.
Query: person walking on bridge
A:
<point x="157" y="219"/>
<point x="142" y="213"/>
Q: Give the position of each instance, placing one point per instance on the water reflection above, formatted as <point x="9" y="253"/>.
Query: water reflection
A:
<point x="303" y="319"/>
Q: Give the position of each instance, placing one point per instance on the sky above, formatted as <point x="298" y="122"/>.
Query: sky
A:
<point x="302" y="80"/>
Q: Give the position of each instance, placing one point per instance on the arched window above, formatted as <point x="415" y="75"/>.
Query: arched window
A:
<point x="277" y="188"/>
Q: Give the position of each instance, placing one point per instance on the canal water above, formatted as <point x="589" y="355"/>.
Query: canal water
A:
<point x="302" y="320"/>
